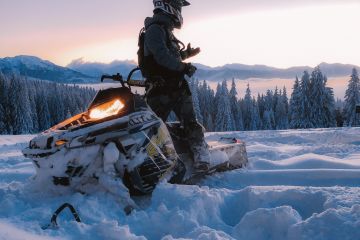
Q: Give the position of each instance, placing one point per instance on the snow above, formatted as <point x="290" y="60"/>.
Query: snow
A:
<point x="300" y="184"/>
<point x="31" y="62"/>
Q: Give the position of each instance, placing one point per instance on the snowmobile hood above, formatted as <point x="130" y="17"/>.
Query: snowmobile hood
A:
<point x="160" y="18"/>
<point x="136" y="147"/>
<point x="52" y="140"/>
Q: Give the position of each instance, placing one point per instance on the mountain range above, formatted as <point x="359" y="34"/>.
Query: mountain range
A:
<point x="34" y="67"/>
<point x="79" y="71"/>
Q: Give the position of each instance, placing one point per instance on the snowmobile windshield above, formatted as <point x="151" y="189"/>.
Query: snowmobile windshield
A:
<point x="110" y="103"/>
<point x="107" y="104"/>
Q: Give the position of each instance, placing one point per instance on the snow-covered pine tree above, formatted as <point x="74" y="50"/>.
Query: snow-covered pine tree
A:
<point x="281" y="116"/>
<point x="255" y="116"/>
<point x="217" y="95"/>
<point x="247" y="108"/>
<point x="195" y="97"/>
<point x="70" y="100"/>
<point x="224" y="120"/>
<point x="210" y="108"/>
<point x="285" y="101"/>
<point x="296" y="106"/>
<point x="269" y="116"/>
<point x="275" y="99"/>
<point x="56" y="107"/>
<point x="42" y="110"/>
<point x="352" y="99"/>
<point x="77" y="102"/>
<point x="19" y="106"/>
<point x="202" y="101"/>
<point x="3" y="129"/>
<point x="2" y="121"/>
<point x="235" y="108"/>
<point x="339" y="109"/>
<point x="322" y="101"/>
<point x="329" y="108"/>
<point x="305" y="103"/>
<point x="204" y="104"/>
<point x="33" y="114"/>
<point x="317" y="97"/>
<point x="7" y="117"/>
<point x="261" y="105"/>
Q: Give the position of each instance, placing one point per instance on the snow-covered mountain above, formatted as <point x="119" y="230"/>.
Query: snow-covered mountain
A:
<point x="95" y="69"/>
<point x="241" y="71"/>
<point x="229" y="71"/>
<point x="79" y="71"/>
<point x="300" y="185"/>
<point x="37" y="68"/>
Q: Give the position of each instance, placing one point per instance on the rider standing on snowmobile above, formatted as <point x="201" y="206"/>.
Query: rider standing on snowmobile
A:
<point x="163" y="66"/>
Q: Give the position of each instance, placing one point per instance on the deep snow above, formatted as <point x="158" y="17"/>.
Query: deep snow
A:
<point x="301" y="184"/>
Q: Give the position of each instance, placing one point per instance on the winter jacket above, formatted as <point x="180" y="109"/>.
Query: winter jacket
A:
<point x="162" y="47"/>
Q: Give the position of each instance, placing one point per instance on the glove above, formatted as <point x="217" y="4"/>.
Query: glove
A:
<point x="189" y="52"/>
<point x="189" y="69"/>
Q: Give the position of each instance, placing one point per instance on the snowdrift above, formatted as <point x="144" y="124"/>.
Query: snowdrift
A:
<point x="300" y="185"/>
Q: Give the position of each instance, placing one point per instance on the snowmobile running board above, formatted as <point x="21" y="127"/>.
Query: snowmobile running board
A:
<point x="226" y="153"/>
<point x="234" y="148"/>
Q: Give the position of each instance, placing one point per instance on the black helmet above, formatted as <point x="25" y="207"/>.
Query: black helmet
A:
<point x="173" y="8"/>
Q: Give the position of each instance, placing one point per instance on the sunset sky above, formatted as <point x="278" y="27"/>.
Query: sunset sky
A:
<point x="280" y="33"/>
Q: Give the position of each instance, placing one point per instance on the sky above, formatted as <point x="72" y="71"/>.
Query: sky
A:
<point x="279" y="33"/>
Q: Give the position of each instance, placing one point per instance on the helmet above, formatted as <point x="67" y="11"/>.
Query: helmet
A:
<point x="172" y="8"/>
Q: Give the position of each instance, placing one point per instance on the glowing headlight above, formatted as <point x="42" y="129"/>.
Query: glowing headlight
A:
<point x="107" y="109"/>
<point x="59" y="143"/>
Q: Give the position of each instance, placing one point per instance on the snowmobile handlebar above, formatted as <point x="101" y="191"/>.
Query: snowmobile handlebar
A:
<point x="130" y="82"/>
<point x="136" y="83"/>
<point x="117" y="78"/>
<point x="133" y="82"/>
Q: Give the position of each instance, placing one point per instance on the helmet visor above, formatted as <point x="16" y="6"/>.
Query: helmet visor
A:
<point x="178" y="4"/>
<point x="185" y="3"/>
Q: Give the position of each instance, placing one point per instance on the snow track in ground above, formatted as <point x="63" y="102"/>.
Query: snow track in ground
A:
<point x="299" y="185"/>
<point x="292" y="177"/>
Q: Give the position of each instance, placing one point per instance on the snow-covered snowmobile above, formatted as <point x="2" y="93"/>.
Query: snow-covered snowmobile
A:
<point x="120" y="138"/>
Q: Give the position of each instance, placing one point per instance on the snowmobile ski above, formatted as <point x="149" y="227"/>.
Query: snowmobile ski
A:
<point x="53" y="221"/>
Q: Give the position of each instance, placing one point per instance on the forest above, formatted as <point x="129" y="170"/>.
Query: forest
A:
<point x="310" y="105"/>
<point x="31" y="106"/>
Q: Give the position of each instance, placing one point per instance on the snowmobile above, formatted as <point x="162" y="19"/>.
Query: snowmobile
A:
<point x="119" y="143"/>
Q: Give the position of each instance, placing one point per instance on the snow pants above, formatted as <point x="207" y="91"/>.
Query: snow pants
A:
<point x="180" y="102"/>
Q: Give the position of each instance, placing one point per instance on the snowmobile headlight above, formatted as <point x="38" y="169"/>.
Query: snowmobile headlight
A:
<point x="59" y="143"/>
<point x="107" y="109"/>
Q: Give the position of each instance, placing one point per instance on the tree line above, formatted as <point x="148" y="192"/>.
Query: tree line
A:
<point x="311" y="105"/>
<point x="31" y="106"/>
